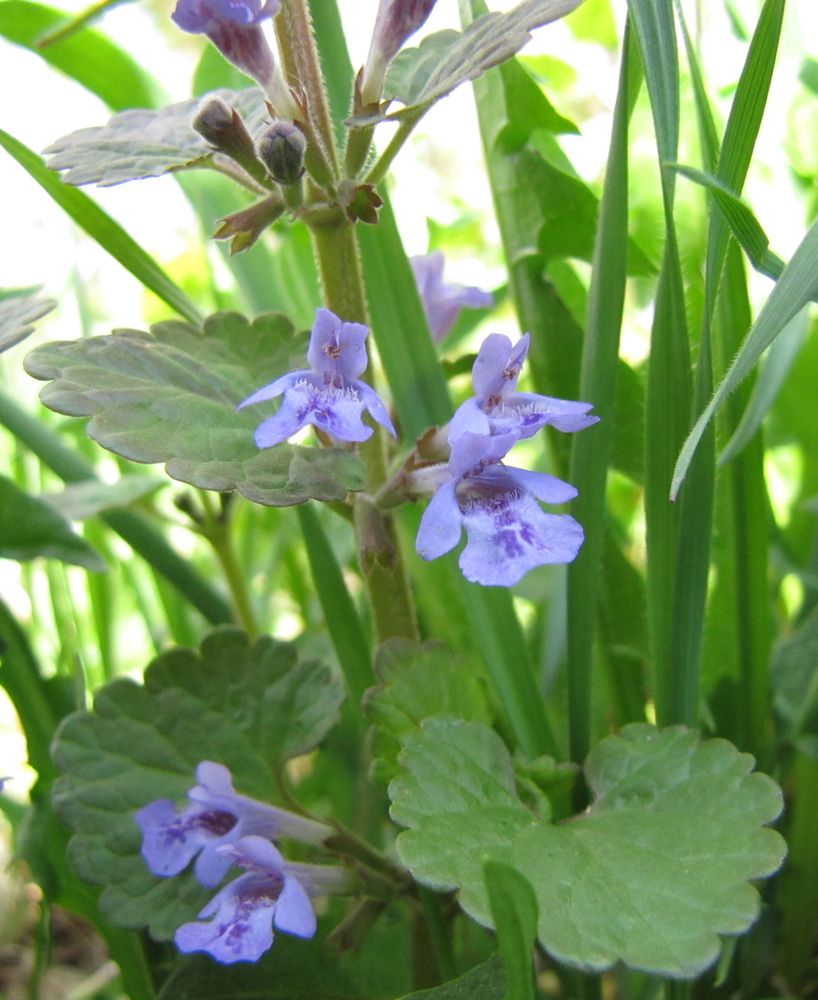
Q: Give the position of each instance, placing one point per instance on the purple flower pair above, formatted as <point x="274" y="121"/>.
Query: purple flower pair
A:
<point x="221" y="828"/>
<point x="508" y="533"/>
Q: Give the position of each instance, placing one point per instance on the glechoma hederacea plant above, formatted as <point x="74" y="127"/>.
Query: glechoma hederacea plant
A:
<point x="440" y="786"/>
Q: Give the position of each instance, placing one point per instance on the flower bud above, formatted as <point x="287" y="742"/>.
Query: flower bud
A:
<point x="395" y="21"/>
<point x="281" y="149"/>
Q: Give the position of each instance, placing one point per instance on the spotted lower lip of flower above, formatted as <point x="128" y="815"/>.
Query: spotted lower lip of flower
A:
<point x="508" y="533"/>
<point x="497" y="407"/>
<point x="329" y="395"/>
<point x="216" y="816"/>
<point x="441" y="302"/>
<point x="272" y="893"/>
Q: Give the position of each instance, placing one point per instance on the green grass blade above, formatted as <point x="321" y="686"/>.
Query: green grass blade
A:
<point x="797" y="285"/>
<point x="653" y="26"/>
<point x="102" y="228"/>
<point x="798" y="889"/>
<point x="399" y="327"/>
<point x="88" y="56"/>
<point x="340" y="613"/>
<point x="669" y="389"/>
<point x="133" y="527"/>
<point x="743" y="224"/>
<point x="772" y="375"/>
<point x="734" y="161"/>
<point x="591" y="450"/>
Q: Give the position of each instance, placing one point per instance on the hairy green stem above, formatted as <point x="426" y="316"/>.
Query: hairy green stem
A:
<point x="384" y="161"/>
<point x="337" y="253"/>
<point x="301" y="64"/>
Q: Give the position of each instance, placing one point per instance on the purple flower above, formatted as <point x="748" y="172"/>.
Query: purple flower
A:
<point x="329" y="394"/>
<point x="442" y="303"/>
<point x="233" y="26"/>
<point x="273" y="892"/>
<point x="497" y="408"/>
<point x="216" y="816"/>
<point x="395" y="21"/>
<point x="508" y="533"/>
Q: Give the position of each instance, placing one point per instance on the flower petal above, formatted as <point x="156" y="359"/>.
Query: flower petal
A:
<point x="497" y="367"/>
<point x="468" y="418"/>
<point x="241" y="930"/>
<point x="440" y="526"/>
<point x="337" y="348"/>
<point x="294" y="913"/>
<point x="550" y="489"/>
<point x="273" y="389"/>
<point x="374" y="405"/>
<point x="508" y="534"/>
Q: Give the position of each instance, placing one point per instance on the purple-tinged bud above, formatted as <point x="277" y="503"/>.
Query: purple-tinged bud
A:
<point x="234" y="27"/>
<point x="224" y="128"/>
<point x="281" y="149"/>
<point x="395" y="21"/>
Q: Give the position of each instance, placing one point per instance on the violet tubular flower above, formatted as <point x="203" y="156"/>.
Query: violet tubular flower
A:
<point x="234" y="27"/>
<point x="272" y="893"/>
<point x="215" y="817"/>
<point x="441" y="302"/>
<point x="508" y="533"/>
<point x="497" y="407"/>
<point x="329" y="395"/>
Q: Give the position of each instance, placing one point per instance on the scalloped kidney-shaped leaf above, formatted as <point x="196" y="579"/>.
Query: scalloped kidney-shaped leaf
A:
<point x="30" y="527"/>
<point x="171" y="395"/>
<point x="19" y="310"/>
<point x="650" y="875"/>
<point x="249" y="706"/>
<point x="141" y="143"/>
<point x="418" y="680"/>
<point x="420" y="76"/>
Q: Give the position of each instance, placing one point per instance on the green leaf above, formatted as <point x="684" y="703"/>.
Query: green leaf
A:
<point x="87" y="57"/>
<point x="249" y="706"/>
<point x="416" y="681"/>
<point x="419" y="77"/>
<point x="514" y="914"/>
<point x="484" y="982"/>
<point x="742" y="222"/>
<point x="171" y="395"/>
<point x="79" y="501"/>
<point x="18" y="313"/>
<point x="797" y="285"/>
<point x="292" y="969"/>
<point x="30" y="527"/>
<point x="650" y="874"/>
<point x="102" y="228"/>
<point x="141" y="143"/>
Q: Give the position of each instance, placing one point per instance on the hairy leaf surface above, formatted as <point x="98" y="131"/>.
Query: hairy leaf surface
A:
<point x="171" y="395"/>
<point x="650" y="875"/>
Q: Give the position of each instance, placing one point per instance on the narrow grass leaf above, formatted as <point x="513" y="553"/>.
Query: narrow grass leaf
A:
<point x="88" y="57"/>
<point x="591" y="451"/>
<point x="102" y="228"/>
<point x="343" y="621"/>
<point x="514" y="913"/>
<point x="743" y="224"/>
<point x="797" y="285"/>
